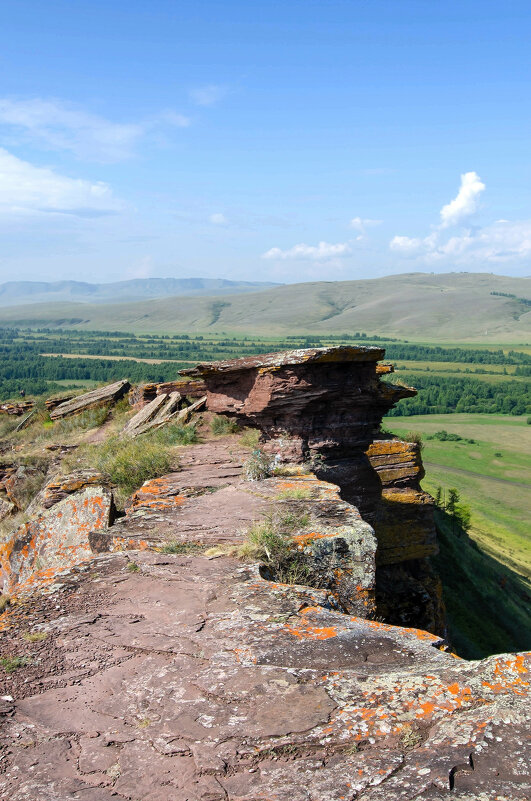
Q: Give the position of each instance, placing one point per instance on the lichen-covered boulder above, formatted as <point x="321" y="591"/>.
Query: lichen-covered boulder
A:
<point x="56" y="536"/>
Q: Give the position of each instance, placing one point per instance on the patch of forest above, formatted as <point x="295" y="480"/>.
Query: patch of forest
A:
<point x="22" y="365"/>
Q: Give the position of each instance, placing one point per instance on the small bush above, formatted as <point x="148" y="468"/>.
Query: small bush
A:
<point x="221" y="426"/>
<point x="415" y="436"/>
<point x="250" y="438"/>
<point x="12" y="663"/>
<point x="133" y="567"/>
<point x="270" y="542"/>
<point x="258" y="466"/>
<point x="174" y="434"/>
<point x="181" y="547"/>
<point x="129" y="463"/>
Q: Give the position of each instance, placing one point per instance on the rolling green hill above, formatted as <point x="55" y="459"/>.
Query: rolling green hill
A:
<point x="463" y="307"/>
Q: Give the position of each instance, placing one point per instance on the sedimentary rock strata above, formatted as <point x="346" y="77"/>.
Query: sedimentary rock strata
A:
<point x="319" y="404"/>
<point x="103" y="396"/>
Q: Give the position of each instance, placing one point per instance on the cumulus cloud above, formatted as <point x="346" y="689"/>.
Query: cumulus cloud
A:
<point x="208" y="95"/>
<point x="406" y="244"/>
<point x="54" y="125"/>
<point x="324" y="251"/>
<point x="502" y="241"/>
<point x="466" y="201"/>
<point x="361" y="225"/>
<point x="218" y="219"/>
<point x="26" y="189"/>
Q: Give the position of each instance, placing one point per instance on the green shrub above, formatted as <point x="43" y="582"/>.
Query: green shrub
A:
<point x="12" y="663"/>
<point x="174" y="434"/>
<point x="250" y="438"/>
<point x="258" y="466"/>
<point x="269" y="541"/>
<point x="223" y="425"/>
<point x="129" y="463"/>
<point x="415" y="436"/>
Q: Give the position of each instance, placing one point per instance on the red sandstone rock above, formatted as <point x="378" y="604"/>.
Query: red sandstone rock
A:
<point x="16" y="409"/>
<point x="194" y="680"/>
<point x="103" y="396"/>
<point x="57" y="535"/>
<point x="319" y="402"/>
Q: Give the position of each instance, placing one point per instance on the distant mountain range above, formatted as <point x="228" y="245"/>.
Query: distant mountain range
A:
<point x="458" y="307"/>
<point x="16" y="293"/>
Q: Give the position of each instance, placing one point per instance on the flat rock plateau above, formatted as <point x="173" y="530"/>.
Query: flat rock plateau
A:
<point x="159" y="663"/>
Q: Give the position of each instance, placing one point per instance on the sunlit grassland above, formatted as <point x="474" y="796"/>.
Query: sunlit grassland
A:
<point x="493" y="475"/>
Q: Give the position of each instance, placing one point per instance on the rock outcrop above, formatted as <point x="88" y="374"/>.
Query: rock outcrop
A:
<point x="56" y="535"/>
<point x="103" y="396"/>
<point x="409" y="592"/>
<point x="321" y="405"/>
<point x="143" y="394"/>
<point x="160" y="667"/>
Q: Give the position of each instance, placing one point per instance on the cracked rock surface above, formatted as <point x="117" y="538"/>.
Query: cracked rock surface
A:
<point x="194" y="679"/>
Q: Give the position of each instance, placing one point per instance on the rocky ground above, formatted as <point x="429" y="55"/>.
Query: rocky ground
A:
<point x="189" y="678"/>
<point x="147" y="657"/>
<point x="193" y="678"/>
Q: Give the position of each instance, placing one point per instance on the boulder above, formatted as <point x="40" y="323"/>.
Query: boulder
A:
<point x="103" y="396"/>
<point x="56" y="535"/>
<point x="146" y="414"/>
<point x="6" y="508"/>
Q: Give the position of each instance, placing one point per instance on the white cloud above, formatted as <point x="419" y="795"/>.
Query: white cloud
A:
<point x="361" y="225"/>
<point x="406" y="244"/>
<point x="500" y="242"/>
<point x="26" y="189"/>
<point x="208" y="95"/>
<point x="218" y="219"/>
<point x="54" y="125"/>
<point x="466" y="201"/>
<point x="324" y="251"/>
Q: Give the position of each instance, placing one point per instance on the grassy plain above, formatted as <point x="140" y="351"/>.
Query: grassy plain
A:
<point x="492" y="474"/>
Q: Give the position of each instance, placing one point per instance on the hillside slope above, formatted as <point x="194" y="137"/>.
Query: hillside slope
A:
<point x="15" y="293"/>
<point x="416" y="306"/>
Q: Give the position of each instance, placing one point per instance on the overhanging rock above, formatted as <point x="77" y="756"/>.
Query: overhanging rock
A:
<point x="321" y="405"/>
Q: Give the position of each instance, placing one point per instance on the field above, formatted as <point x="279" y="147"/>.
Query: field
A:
<point x="492" y="474"/>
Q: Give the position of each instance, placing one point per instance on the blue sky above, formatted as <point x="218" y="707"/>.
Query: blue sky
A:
<point x="284" y="141"/>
